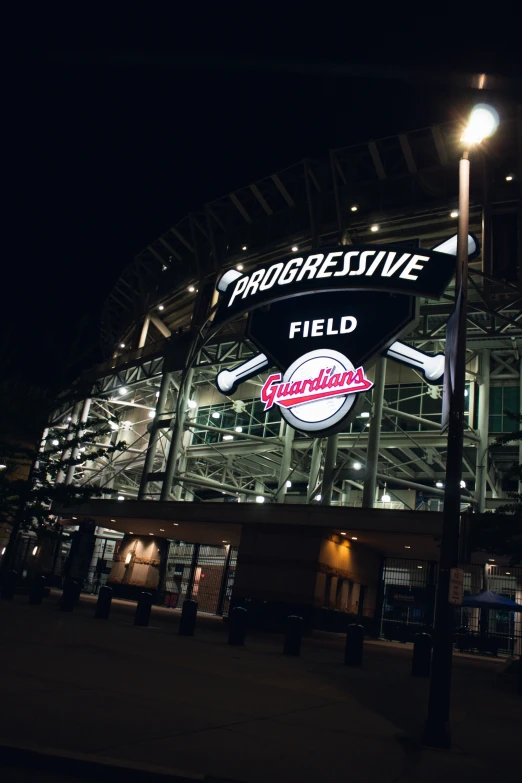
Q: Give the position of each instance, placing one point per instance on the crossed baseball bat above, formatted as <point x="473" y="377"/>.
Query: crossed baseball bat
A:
<point x="432" y="367"/>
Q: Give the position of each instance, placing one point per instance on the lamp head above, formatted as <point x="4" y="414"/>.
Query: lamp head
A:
<point x="483" y="122"/>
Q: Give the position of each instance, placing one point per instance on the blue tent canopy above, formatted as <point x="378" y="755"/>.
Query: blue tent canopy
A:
<point x="490" y="600"/>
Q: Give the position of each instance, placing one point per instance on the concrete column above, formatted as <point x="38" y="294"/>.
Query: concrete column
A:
<point x="84" y="415"/>
<point x="330" y="459"/>
<point x="347" y="491"/>
<point x="483" y="428"/>
<point x="177" y="435"/>
<point x="144" y="331"/>
<point x="374" y="437"/>
<point x="315" y="467"/>
<point x="154" y="433"/>
<point x="66" y="453"/>
<point x="286" y="463"/>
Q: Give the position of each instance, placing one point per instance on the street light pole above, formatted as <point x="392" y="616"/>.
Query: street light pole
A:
<point x="437" y="730"/>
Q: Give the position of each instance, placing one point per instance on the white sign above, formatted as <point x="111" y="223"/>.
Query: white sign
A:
<point x="456" y="586"/>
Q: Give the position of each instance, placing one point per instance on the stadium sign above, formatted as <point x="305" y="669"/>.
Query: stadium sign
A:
<point x="323" y="317"/>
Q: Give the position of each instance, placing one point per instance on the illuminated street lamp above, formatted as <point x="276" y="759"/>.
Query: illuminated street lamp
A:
<point x="483" y="122"/>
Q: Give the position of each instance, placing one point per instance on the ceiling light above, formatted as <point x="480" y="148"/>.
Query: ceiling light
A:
<point x="121" y="497"/>
<point x="288" y="483"/>
<point x="260" y="499"/>
<point x="161" y="530"/>
<point x="244" y="247"/>
<point x="224" y="542"/>
<point x="354" y="538"/>
<point x="74" y="517"/>
<point x="122" y="345"/>
<point x="3" y="550"/>
<point x="130" y="531"/>
<point x="508" y="573"/>
<point x="357" y="466"/>
<point x="191" y="289"/>
<point x="228" y="437"/>
<point x="439" y="484"/>
<point x="354" y="208"/>
<point x="216" y="415"/>
<point x="176" y="524"/>
<point x="318" y="497"/>
<point x="374" y="228"/>
<point x="491" y="559"/>
<point x="82" y="448"/>
<point x="419" y="566"/>
<point x="454" y="213"/>
<point x="343" y="534"/>
<point x="463" y="485"/>
<point x="2" y="466"/>
<point x="68" y="418"/>
<point x="365" y="415"/>
<point x="157" y="394"/>
<point x="239" y="267"/>
<point x="161" y="307"/>
<point x="113" y="520"/>
<point x="407" y="546"/>
<point x="367" y="424"/>
<point x="192" y="404"/>
<point x="294" y="248"/>
<point x="126" y="425"/>
<point x="55" y="442"/>
<point x="239" y="429"/>
<point x="114" y="425"/>
<point x="122" y="390"/>
<point x="509" y="178"/>
<point x="35" y="550"/>
<point x="151" y="534"/>
<point x="152" y="414"/>
<point x="386" y="498"/>
<point x="483" y="122"/>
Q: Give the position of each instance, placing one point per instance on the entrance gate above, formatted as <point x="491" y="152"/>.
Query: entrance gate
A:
<point x="201" y="572"/>
<point x="408" y="598"/>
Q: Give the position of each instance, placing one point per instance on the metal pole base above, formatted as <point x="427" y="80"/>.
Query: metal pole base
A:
<point x="437" y="734"/>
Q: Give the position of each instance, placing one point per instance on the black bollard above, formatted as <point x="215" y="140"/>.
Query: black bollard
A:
<point x="8" y="588"/>
<point x="189" y="612"/>
<point x="293" y="634"/>
<point x="421" y="661"/>
<point x="238" y="621"/>
<point x="70" y="591"/>
<point x="103" y="604"/>
<point x="143" y="610"/>
<point x="36" y="591"/>
<point x="353" y="653"/>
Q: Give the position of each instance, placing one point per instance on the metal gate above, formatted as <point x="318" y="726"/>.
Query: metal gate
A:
<point x="408" y="598"/>
<point x="201" y="572"/>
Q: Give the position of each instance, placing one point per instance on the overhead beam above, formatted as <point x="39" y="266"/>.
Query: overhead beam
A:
<point x="239" y="206"/>
<point x="182" y="239"/>
<point x="160" y="326"/>
<point x="283" y="191"/>
<point x="439" y="145"/>
<point x="259" y="196"/>
<point x="408" y="154"/>
<point x="170" y="248"/>
<point x="376" y="158"/>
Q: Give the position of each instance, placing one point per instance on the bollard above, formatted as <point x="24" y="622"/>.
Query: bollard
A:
<point x="421" y="661"/>
<point x="353" y="653"/>
<point x="189" y="612"/>
<point x="103" y="604"/>
<point x="70" y="591"/>
<point x="238" y="621"/>
<point x="8" y="588"/>
<point x="293" y="634"/>
<point x="143" y="610"/>
<point x="36" y="591"/>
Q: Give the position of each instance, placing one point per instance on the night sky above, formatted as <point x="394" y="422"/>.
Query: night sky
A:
<point x="115" y="141"/>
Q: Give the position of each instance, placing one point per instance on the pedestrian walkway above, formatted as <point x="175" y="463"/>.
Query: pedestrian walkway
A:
<point x="145" y="696"/>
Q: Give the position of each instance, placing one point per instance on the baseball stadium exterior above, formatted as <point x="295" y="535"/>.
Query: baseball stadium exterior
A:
<point x="216" y="496"/>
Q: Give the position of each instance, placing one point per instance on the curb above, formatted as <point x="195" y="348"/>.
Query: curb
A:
<point x="89" y="766"/>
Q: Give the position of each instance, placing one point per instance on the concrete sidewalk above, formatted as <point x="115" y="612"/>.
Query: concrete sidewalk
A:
<point x="149" y="697"/>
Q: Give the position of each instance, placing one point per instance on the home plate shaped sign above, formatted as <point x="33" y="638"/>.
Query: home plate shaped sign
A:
<point x="322" y="318"/>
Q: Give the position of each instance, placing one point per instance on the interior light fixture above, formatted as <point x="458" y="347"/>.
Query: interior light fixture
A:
<point x="318" y="497"/>
<point x="152" y="414"/>
<point x="151" y="534"/>
<point x="419" y="566"/>
<point x="354" y="538"/>
<point x="454" y="213"/>
<point x="216" y="415"/>
<point x="508" y="573"/>
<point x="122" y="345"/>
<point x="491" y="559"/>
<point x="114" y="425"/>
<point x="3" y="550"/>
<point x="130" y="531"/>
<point x="407" y="546"/>
<point x="192" y="404"/>
<point x="228" y="437"/>
<point x="55" y="442"/>
<point x="121" y="497"/>
<point x="191" y="289"/>
<point x="342" y="533"/>
<point x="2" y="466"/>
<point x="354" y="208"/>
<point x="385" y="497"/>
<point x="439" y="484"/>
<point x="374" y="228"/>
<point x="113" y="520"/>
<point x="244" y="247"/>
<point x="176" y="524"/>
<point x="365" y="414"/>
<point x="367" y="424"/>
<point x="161" y="307"/>
<point x="82" y="448"/>
<point x="122" y="390"/>
<point x="466" y="392"/>
<point x="239" y="267"/>
<point x="68" y="418"/>
<point x="162" y="530"/>
<point x="294" y="248"/>
<point x="35" y="550"/>
<point x="74" y="517"/>
<point x="463" y="485"/>
<point x="509" y="178"/>
<point x="288" y="483"/>
<point x="239" y="429"/>
<point x="128" y="558"/>
<point x="260" y="499"/>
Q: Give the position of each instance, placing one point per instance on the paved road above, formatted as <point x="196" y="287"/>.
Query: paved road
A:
<point x="149" y="696"/>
